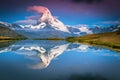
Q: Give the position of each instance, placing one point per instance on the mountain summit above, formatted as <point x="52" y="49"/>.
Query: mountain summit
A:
<point x="48" y="26"/>
<point x="47" y="19"/>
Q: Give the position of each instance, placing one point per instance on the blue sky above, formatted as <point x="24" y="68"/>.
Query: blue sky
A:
<point x="70" y="12"/>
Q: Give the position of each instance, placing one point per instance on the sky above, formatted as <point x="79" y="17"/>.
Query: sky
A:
<point x="70" y="12"/>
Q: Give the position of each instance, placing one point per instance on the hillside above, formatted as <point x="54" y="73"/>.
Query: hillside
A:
<point x="6" y="33"/>
<point x="110" y="40"/>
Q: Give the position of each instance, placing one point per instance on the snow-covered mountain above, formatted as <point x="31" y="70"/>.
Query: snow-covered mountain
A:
<point x="105" y="29"/>
<point x="50" y="27"/>
<point x="6" y="32"/>
<point x="47" y="21"/>
<point x="79" y="30"/>
<point x="5" y="24"/>
<point x="42" y="29"/>
<point x="46" y="27"/>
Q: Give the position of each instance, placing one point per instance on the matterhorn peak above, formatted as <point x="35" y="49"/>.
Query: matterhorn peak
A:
<point x="48" y="19"/>
<point x="46" y="14"/>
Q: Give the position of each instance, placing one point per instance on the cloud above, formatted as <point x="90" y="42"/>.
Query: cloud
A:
<point x="111" y="22"/>
<point x="38" y="9"/>
<point x="34" y="17"/>
<point x="26" y="22"/>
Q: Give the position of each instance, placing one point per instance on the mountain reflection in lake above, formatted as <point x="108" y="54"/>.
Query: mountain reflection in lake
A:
<point x="57" y="60"/>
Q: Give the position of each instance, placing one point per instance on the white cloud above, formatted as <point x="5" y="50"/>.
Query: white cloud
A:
<point x="79" y="25"/>
<point x="34" y="17"/>
<point x="111" y="22"/>
<point x="26" y="22"/>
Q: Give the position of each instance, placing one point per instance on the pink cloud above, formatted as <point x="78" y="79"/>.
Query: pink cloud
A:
<point x="38" y="9"/>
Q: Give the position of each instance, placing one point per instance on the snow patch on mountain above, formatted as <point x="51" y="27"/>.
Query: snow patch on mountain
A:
<point x="4" y="24"/>
<point x="79" y="30"/>
<point x="85" y="29"/>
<point x="47" y="19"/>
<point x="39" y="26"/>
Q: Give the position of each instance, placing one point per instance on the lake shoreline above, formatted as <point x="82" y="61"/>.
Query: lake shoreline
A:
<point x="108" y="40"/>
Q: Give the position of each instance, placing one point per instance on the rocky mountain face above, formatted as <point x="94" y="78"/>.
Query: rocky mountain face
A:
<point x="47" y="27"/>
<point x="45" y="30"/>
<point x="50" y="27"/>
<point x="84" y="30"/>
<point x="5" y="31"/>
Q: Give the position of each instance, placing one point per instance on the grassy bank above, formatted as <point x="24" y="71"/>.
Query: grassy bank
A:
<point x="6" y="41"/>
<point x="110" y="40"/>
<point x="10" y="38"/>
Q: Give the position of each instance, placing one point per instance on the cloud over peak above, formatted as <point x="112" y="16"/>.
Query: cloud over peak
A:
<point x="38" y="9"/>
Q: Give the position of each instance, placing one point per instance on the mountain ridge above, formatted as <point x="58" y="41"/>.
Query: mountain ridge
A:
<point x="50" y="27"/>
<point x="43" y="33"/>
<point x="7" y="33"/>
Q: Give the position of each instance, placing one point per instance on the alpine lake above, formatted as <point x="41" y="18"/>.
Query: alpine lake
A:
<point x="57" y="60"/>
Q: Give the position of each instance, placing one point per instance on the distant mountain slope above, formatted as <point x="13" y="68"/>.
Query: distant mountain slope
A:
<point x="109" y="39"/>
<point x="105" y="29"/>
<point x="6" y="33"/>
<point x="45" y="30"/>
<point x="47" y="27"/>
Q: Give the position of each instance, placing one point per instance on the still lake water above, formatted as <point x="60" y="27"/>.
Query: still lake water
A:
<point x="57" y="60"/>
